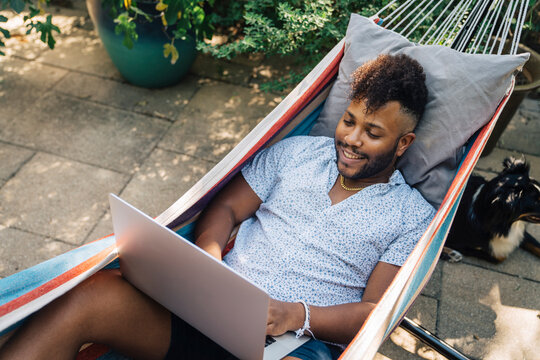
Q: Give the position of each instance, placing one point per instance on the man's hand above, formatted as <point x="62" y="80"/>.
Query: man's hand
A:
<point x="283" y="317"/>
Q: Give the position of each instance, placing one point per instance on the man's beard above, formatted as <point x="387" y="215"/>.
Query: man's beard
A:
<point x="373" y="166"/>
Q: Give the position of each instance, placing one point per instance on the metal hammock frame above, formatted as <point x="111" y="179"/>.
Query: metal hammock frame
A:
<point x="471" y="26"/>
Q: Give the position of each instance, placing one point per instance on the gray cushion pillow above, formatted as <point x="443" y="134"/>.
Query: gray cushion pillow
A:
<point x="464" y="92"/>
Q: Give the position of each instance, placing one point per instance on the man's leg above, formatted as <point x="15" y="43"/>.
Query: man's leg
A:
<point x="104" y="309"/>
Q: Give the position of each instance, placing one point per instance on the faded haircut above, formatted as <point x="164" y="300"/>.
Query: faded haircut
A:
<point x="391" y="78"/>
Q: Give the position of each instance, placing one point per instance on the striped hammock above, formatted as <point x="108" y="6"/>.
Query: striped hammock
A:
<point x="25" y="292"/>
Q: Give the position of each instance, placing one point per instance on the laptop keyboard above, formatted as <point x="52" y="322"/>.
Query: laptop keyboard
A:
<point x="269" y="340"/>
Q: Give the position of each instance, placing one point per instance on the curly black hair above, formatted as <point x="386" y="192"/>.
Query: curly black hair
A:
<point x="391" y="77"/>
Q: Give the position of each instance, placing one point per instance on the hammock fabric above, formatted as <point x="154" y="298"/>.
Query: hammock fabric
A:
<point x="27" y="291"/>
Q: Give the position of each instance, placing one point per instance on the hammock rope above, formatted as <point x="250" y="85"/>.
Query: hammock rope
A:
<point x="422" y="20"/>
<point x="472" y="26"/>
<point x="469" y="27"/>
<point x="385" y="7"/>
<point x="453" y="19"/>
<point x="415" y="10"/>
<point x="519" y="26"/>
<point x="398" y="12"/>
<point x="421" y="41"/>
<point x="486" y="24"/>
<point x="507" y="23"/>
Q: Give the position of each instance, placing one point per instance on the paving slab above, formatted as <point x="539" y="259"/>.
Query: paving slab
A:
<point x="520" y="263"/>
<point x="22" y="83"/>
<point x="165" y="103"/>
<point x="20" y="250"/>
<point x="216" y="119"/>
<point x="86" y="132"/>
<point x="57" y="198"/>
<point x="81" y="51"/>
<point x="523" y="131"/>
<point x="489" y="315"/>
<point x="163" y="178"/>
<point x="403" y="346"/>
<point x="488" y="175"/>
<point x="101" y="229"/>
<point x="11" y="159"/>
<point x="493" y="162"/>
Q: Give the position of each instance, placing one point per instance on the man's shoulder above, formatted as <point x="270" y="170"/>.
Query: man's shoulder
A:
<point x="412" y="200"/>
<point x="417" y="207"/>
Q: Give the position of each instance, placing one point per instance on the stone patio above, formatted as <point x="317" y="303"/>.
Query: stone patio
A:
<point x="72" y="130"/>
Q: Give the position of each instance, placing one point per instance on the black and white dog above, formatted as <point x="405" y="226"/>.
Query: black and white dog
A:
<point x="490" y="220"/>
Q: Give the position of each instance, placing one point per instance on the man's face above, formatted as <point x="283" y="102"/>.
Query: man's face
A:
<point x="369" y="144"/>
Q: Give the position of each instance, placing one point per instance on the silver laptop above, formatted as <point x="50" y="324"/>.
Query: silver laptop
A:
<point x="210" y="296"/>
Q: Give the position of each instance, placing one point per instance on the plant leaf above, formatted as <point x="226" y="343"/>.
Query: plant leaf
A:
<point x="126" y="26"/>
<point x="170" y="49"/>
<point x="46" y="30"/>
<point x="160" y="6"/>
<point x="171" y="14"/>
<point x="5" y="32"/>
<point x="198" y="15"/>
<point x="128" y="41"/>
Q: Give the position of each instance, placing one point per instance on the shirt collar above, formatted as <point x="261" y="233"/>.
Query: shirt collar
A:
<point x="396" y="178"/>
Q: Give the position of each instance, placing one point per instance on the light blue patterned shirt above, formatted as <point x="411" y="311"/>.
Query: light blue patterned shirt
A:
<point x="299" y="246"/>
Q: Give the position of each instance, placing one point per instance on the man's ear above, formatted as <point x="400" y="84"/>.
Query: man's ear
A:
<point x="404" y="142"/>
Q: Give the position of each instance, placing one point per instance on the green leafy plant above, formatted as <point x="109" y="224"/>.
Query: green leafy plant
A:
<point x="35" y="8"/>
<point x="306" y="29"/>
<point x="179" y="19"/>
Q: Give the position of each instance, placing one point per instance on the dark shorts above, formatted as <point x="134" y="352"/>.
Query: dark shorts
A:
<point x="189" y="343"/>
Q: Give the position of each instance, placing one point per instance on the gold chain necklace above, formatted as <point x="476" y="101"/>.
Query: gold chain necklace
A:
<point x="342" y="182"/>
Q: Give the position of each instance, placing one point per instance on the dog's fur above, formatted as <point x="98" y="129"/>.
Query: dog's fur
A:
<point x="490" y="220"/>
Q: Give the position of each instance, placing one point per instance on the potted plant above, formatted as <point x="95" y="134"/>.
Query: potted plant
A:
<point x="35" y="8"/>
<point x="151" y="42"/>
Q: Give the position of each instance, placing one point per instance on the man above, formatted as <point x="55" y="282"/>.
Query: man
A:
<point x="326" y="224"/>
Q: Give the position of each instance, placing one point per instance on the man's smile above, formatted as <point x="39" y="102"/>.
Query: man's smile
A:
<point x="349" y="155"/>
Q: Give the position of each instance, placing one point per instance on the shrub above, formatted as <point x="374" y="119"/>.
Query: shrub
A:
<point x="305" y="29"/>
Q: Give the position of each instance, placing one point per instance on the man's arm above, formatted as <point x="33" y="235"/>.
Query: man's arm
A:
<point x="235" y="203"/>
<point x="338" y="323"/>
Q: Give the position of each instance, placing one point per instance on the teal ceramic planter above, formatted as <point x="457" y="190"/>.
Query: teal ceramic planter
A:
<point x="143" y="65"/>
